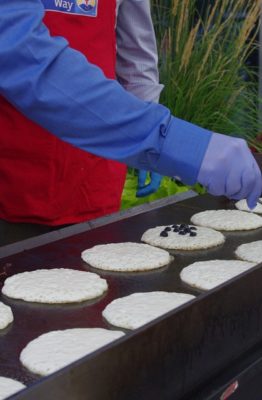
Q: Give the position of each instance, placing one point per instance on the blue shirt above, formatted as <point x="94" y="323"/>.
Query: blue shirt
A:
<point x="56" y="87"/>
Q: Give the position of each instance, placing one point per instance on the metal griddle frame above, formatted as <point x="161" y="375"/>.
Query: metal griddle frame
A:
<point x="169" y="358"/>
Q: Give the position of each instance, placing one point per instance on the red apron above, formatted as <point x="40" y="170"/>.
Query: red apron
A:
<point x="42" y="179"/>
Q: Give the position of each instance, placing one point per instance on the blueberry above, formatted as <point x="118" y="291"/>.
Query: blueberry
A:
<point x="164" y="234"/>
<point x="183" y="226"/>
<point x="176" y="229"/>
<point x="193" y="233"/>
<point x="175" y="226"/>
<point x="193" y="228"/>
<point x="182" y="233"/>
<point x="168" y="229"/>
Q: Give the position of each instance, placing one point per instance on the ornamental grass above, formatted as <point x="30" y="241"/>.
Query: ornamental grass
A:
<point x="204" y="65"/>
<point x="203" y="61"/>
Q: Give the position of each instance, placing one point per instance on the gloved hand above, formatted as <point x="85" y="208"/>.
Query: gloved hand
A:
<point x="145" y="190"/>
<point x="229" y="168"/>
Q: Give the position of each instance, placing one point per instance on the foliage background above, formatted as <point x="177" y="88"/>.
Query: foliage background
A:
<point x="203" y="63"/>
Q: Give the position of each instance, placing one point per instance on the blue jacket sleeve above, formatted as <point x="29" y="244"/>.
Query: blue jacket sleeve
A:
<point x="58" y="88"/>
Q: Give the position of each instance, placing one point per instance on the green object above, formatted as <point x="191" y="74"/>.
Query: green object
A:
<point x="168" y="187"/>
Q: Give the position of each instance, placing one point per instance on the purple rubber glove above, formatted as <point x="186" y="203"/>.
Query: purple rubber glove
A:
<point x="145" y="190"/>
<point x="229" y="168"/>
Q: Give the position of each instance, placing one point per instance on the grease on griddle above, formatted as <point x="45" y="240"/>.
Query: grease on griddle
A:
<point x="4" y="273"/>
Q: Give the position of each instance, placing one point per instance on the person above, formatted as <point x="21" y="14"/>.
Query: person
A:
<point x="46" y="198"/>
<point x="58" y="104"/>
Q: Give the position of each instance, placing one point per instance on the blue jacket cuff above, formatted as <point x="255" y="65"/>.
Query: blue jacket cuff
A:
<point x="183" y="150"/>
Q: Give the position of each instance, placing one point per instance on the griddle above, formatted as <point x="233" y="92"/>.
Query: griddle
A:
<point x="169" y="358"/>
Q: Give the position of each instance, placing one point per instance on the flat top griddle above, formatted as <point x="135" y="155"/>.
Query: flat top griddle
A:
<point x="33" y="319"/>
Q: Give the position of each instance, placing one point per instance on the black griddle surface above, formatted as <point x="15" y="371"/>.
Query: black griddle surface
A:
<point x="32" y="319"/>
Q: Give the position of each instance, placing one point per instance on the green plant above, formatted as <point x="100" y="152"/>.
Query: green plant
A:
<point x="203" y="65"/>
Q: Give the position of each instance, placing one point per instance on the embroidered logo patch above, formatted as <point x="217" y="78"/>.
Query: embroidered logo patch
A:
<point x="87" y="8"/>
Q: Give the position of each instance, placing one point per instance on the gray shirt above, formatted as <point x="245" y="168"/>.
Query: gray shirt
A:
<point x="137" y="60"/>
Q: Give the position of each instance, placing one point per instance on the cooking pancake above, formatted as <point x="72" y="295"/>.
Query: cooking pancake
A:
<point x="227" y="220"/>
<point x="57" y="285"/>
<point x="183" y="237"/>
<point x="250" y="251"/>
<point x="126" y="257"/>
<point x="137" y="309"/>
<point x="242" y="205"/>
<point x="206" y="275"/>
<point x="56" y="349"/>
<point x="9" y="386"/>
<point x="6" y="315"/>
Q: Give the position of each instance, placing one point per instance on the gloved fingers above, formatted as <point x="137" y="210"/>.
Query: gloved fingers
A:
<point x="151" y="187"/>
<point x="250" y="185"/>
<point x="251" y="178"/>
<point x="237" y="184"/>
<point x="256" y="190"/>
<point x="216" y="185"/>
<point x="215" y="191"/>
<point x="142" y="175"/>
<point x="240" y="182"/>
<point x="230" y="169"/>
